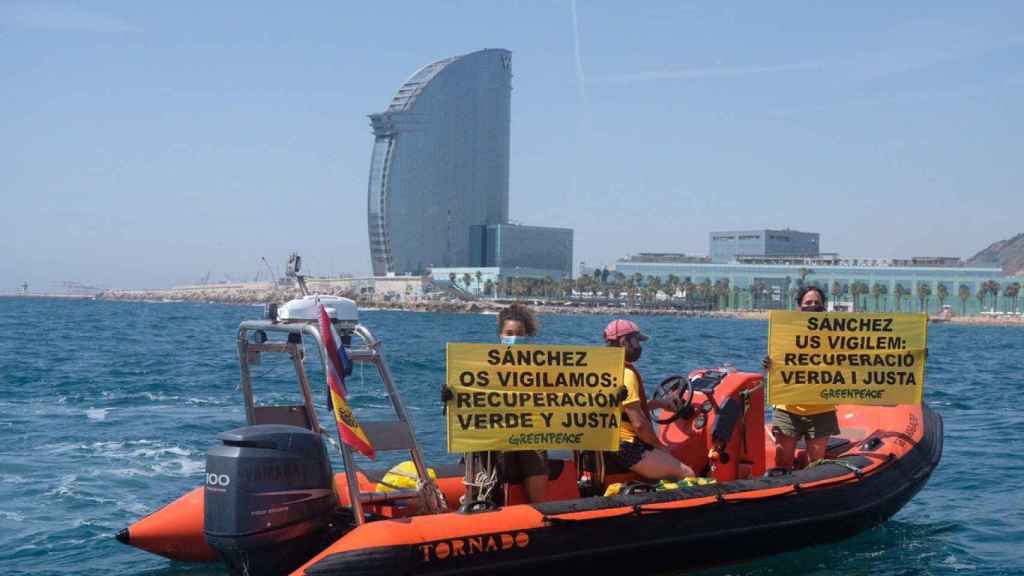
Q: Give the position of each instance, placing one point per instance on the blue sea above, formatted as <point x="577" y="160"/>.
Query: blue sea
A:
<point x="107" y="410"/>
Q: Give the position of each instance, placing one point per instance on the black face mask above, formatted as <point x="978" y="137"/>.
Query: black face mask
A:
<point x="633" y="353"/>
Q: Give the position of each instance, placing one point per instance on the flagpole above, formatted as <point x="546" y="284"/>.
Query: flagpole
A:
<point x="351" y="475"/>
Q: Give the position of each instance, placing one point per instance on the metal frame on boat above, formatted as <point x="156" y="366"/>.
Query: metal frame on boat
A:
<point x="384" y="435"/>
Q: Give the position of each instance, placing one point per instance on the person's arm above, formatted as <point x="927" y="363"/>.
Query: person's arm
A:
<point x="642" y="425"/>
<point x="668" y="402"/>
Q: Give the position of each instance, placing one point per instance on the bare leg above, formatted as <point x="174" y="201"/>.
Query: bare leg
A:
<point x="785" y="447"/>
<point x="816" y="448"/>
<point x="658" y="464"/>
<point x="535" y="487"/>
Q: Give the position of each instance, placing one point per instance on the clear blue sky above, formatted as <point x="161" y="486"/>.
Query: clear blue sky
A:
<point x="144" y="144"/>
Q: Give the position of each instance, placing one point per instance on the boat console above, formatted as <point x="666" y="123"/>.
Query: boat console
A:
<point x="720" y="434"/>
<point x="718" y="430"/>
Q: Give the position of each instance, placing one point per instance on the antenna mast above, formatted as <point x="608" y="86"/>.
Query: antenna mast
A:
<point x="294" y="264"/>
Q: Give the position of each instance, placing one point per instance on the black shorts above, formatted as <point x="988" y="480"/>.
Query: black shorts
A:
<point x="523" y="464"/>
<point x="630" y="453"/>
<point x="797" y="426"/>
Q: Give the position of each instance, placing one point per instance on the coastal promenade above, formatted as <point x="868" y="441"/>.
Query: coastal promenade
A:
<point x="259" y="293"/>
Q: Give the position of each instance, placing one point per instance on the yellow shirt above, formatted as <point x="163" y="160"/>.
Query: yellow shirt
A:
<point x="629" y="380"/>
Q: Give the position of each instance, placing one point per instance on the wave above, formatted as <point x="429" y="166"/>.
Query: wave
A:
<point x="98" y="414"/>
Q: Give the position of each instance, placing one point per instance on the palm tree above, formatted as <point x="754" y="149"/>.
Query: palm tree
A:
<point x="451" y="279"/>
<point x="804" y="273"/>
<point x="757" y="290"/>
<point x="924" y="291"/>
<point x="963" y="293"/>
<point x="704" y="290"/>
<point x="982" y="292"/>
<point x="582" y="283"/>
<point x="942" y="293"/>
<point x="899" y="292"/>
<point x="993" y="287"/>
<point x="631" y="289"/>
<point x="858" y="289"/>
<point x="721" y="291"/>
<point x="876" y="293"/>
<point x="1012" y="291"/>
<point x="479" y="275"/>
<point x="672" y="286"/>
<point x="489" y="287"/>
<point x="655" y="285"/>
<point x="836" y="291"/>
<point x="466" y="279"/>
<point x="565" y="287"/>
<point x="688" y="288"/>
<point x="793" y="292"/>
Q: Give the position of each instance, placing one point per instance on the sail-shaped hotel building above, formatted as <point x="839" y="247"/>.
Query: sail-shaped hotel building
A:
<point x="440" y="163"/>
<point x="439" y="173"/>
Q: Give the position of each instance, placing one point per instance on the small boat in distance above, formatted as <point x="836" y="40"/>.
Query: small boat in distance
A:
<point x="944" y="315"/>
<point x="271" y="504"/>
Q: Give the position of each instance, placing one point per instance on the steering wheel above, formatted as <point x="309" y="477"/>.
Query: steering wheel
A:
<point x="677" y="385"/>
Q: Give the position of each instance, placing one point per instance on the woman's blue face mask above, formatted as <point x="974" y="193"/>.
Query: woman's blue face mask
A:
<point x="510" y="340"/>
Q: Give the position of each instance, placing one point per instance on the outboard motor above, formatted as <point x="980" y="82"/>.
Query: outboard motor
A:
<point x="269" y="498"/>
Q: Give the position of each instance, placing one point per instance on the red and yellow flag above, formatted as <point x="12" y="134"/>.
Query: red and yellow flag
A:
<point x="338" y="365"/>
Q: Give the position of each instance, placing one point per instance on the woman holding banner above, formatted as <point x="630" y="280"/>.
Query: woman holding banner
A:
<point x="790" y="422"/>
<point x="640" y="449"/>
<point x="516" y="323"/>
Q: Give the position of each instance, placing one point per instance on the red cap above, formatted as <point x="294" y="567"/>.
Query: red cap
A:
<point x="618" y="328"/>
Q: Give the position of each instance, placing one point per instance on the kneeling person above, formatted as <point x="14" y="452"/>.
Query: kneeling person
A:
<point x="640" y="449"/>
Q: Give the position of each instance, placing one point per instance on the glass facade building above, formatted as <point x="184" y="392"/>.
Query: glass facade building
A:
<point x="440" y="163"/>
<point x="727" y="246"/>
<point x="773" y="285"/>
<point x="511" y="246"/>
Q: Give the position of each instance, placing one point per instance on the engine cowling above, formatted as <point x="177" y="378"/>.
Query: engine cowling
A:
<point x="269" y="493"/>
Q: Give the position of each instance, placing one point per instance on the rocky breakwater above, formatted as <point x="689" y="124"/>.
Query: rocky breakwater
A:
<point x="242" y="293"/>
<point x="259" y="293"/>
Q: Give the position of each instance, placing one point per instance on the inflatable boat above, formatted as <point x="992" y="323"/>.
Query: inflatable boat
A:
<point x="272" y="505"/>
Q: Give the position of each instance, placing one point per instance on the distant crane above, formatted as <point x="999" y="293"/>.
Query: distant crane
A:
<point x="206" y="279"/>
<point x="273" y="277"/>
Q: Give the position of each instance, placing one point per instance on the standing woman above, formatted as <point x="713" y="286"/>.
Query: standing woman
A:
<point x="815" y="422"/>
<point x="516" y="324"/>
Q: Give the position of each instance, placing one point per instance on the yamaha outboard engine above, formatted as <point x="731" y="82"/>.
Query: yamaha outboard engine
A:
<point x="269" y="498"/>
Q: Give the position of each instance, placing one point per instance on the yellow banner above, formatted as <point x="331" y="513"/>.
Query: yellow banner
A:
<point x="846" y="358"/>
<point x="533" y="397"/>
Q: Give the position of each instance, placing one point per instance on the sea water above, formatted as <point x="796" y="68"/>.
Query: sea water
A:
<point x="107" y="410"/>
